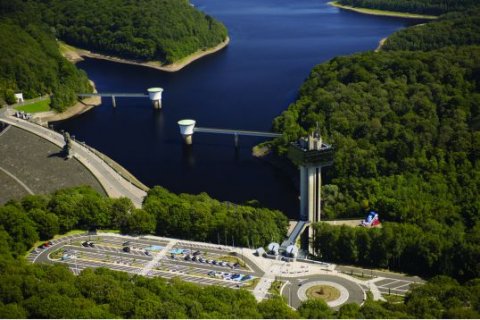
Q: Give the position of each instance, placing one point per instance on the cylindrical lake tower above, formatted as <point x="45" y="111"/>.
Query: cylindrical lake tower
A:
<point x="186" y="129"/>
<point x="155" y="95"/>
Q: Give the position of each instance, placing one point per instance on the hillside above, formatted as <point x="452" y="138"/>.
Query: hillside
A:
<point x="30" y="62"/>
<point x="166" y="30"/>
<point x="453" y="29"/>
<point x="406" y="128"/>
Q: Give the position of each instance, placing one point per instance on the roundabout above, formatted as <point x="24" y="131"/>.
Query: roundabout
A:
<point x="330" y="292"/>
<point x="334" y="290"/>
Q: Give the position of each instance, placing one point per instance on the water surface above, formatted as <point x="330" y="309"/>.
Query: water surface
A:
<point x="274" y="45"/>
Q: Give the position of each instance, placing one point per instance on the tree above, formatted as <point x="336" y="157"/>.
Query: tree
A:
<point x="276" y="308"/>
<point x="140" y="222"/>
<point x="315" y="309"/>
<point x="46" y="223"/>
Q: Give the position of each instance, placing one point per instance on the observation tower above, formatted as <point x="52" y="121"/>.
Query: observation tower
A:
<point x="311" y="154"/>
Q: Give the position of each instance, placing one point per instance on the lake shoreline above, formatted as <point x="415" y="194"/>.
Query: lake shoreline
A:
<point x="80" y="107"/>
<point x="75" y="54"/>
<point x="385" y="13"/>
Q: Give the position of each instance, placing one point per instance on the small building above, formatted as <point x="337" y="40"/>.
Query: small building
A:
<point x="260" y="252"/>
<point x="292" y="251"/>
<point x="273" y="248"/>
<point x="19" y="97"/>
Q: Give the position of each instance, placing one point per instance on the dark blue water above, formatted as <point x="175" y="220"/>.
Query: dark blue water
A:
<point x="274" y="45"/>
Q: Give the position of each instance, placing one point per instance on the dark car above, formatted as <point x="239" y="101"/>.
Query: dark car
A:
<point x="85" y="244"/>
<point x="126" y="249"/>
<point x="91" y="244"/>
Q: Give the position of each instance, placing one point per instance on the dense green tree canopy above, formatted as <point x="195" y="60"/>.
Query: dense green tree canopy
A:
<point x="30" y="62"/>
<point x="205" y="219"/>
<point x="453" y="29"/>
<point x="406" y="131"/>
<point x="166" y="30"/>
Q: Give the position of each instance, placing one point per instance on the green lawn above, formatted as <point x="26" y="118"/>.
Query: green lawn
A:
<point x="39" y="106"/>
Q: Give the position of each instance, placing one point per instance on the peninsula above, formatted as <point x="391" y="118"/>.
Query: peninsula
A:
<point x="75" y="54"/>
<point x="382" y="12"/>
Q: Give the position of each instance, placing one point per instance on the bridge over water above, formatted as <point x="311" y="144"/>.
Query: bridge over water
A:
<point x="155" y="95"/>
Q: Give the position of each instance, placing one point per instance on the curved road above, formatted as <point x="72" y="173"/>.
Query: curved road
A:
<point x="290" y="290"/>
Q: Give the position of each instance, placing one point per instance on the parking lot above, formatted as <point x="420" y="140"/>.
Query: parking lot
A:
<point x="210" y="264"/>
<point x="202" y="265"/>
<point x="393" y="286"/>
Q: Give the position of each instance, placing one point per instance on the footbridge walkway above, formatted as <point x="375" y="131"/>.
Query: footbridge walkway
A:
<point x="296" y="232"/>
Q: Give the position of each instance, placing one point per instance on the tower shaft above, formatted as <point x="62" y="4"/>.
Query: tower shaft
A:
<point x="310" y="193"/>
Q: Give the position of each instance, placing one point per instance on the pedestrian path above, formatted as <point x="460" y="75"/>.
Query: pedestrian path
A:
<point x="157" y="257"/>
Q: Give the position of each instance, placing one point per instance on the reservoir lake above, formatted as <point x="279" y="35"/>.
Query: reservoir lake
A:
<point x="274" y="45"/>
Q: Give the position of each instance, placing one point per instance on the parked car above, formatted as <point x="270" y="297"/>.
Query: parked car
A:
<point x="126" y="249"/>
<point x="85" y="244"/>
<point x="247" y="277"/>
<point x="196" y="253"/>
<point x="91" y="244"/>
<point x="147" y="253"/>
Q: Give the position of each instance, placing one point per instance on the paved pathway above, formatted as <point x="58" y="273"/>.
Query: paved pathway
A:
<point x="114" y="184"/>
<point x="17" y="180"/>
<point x="157" y="257"/>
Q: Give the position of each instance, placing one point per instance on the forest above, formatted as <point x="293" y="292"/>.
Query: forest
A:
<point x="202" y="218"/>
<point x="405" y="124"/>
<point x="52" y="291"/>
<point x="166" y="30"/>
<point x="428" y="7"/>
<point x="193" y="217"/>
<point x="452" y="29"/>
<point x="30" y="62"/>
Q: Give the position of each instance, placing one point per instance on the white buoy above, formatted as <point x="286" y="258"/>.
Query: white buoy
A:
<point x="155" y="95"/>
<point x="186" y="129"/>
